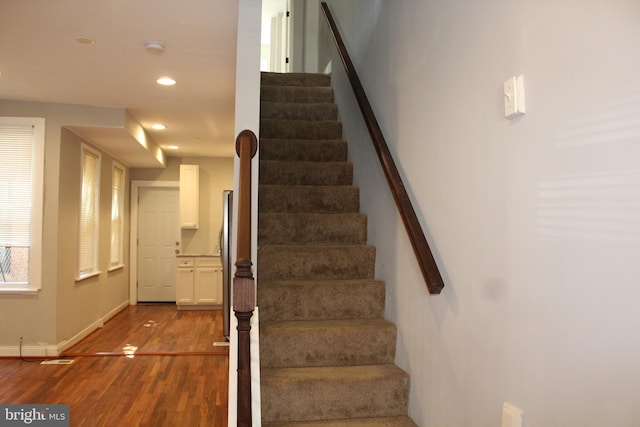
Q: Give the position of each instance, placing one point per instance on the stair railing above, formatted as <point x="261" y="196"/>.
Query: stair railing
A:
<point x="427" y="264"/>
<point x="244" y="294"/>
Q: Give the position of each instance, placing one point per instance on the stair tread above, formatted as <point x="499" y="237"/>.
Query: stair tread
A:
<point x="311" y="163"/>
<point x="294" y="79"/>
<point x="298" y="94"/>
<point x="354" y="422"/>
<point x="335" y="282"/>
<point x="303" y="149"/>
<point x="305" y="105"/>
<point x="312" y="228"/>
<point x="300" y="198"/>
<point x="333" y="392"/>
<point x="321" y="299"/>
<point x="319" y="215"/>
<point x="327" y="324"/>
<point x="315" y="141"/>
<point x="339" y="374"/>
<point x="281" y="172"/>
<point x="346" y="342"/>
<point x="318" y="246"/>
<point x="301" y="121"/>
<point x="301" y="129"/>
<point x="307" y="186"/>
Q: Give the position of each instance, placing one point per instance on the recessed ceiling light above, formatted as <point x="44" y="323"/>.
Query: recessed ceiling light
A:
<point x="173" y="147"/>
<point x="158" y="126"/>
<point x="166" y="81"/>
<point x="85" y="40"/>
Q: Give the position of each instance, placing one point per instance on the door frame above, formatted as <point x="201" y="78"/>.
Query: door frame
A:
<point x="133" y="233"/>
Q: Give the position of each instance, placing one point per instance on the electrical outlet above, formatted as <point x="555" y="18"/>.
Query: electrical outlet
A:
<point x="511" y="416"/>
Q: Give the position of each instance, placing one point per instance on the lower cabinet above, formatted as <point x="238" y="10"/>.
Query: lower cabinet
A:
<point x="199" y="283"/>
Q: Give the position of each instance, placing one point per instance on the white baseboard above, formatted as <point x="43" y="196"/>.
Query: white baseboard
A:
<point x="53" y="350"/>
<point x="48" y="350"/>
<point x="64" y="345"/>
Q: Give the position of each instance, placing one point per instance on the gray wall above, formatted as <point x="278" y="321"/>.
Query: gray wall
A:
<point x="80" y="304"/>
<point x="534" y="221"/>
<point x="63" y="308"/>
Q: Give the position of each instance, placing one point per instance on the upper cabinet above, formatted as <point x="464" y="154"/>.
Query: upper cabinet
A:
<point x="189" y="179"/>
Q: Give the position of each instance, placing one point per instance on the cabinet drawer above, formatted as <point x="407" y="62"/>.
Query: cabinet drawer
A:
<point x="185" y="262"/>
<point x="208" y="262"/>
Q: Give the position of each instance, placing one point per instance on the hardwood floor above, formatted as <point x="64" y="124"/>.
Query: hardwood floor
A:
<point x="175" y="376"/>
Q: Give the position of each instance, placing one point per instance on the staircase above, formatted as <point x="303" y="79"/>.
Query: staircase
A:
<point x="327" y="354"/>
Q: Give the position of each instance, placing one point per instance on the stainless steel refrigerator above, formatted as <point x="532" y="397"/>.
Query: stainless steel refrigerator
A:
<point x="225" y="256"/>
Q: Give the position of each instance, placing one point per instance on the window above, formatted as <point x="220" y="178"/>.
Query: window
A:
<point x="117" y="210"/>
<point x="89" y="204"/>
<point x="21" y="196"/>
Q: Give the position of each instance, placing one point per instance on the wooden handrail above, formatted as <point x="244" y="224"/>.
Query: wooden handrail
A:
<point x="244" y="294"/>
<point x="428" y="266"/>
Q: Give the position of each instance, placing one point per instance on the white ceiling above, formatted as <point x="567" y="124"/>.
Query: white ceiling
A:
<point x="41" y="60"/>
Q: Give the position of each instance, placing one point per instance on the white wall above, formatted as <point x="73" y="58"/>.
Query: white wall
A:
<point x="535" y="222"/>
<point x="247" y="117"/>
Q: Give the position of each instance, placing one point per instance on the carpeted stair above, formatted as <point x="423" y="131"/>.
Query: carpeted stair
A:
<point x="327" y="353"/>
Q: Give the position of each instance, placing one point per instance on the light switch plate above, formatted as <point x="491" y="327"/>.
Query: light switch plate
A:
<point x="511" y="416"/>
<point x="514" y="104"/>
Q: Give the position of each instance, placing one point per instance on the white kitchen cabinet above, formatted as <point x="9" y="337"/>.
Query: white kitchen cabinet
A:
<point x="199" y="283"/>
<point x="185" y="291"/>
<point x="189" y="195"/>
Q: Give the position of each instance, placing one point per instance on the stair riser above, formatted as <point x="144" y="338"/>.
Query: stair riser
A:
<point x="300" y="129"/>
<point x="320" y="300"/>
<point x="308" y="199"/>
<point x="298" y="111"/>
<point x="316" y="263"/>
<point x="360" y="422"/>
<point x="317" y="95"/>
<point x="303" y="150"/>
<point x="305" y="173"/>
<point x="302" y="229"/>
<point x="352" y="344"/>
<point x="295" y="79"/>
<point x="324" y="400"/>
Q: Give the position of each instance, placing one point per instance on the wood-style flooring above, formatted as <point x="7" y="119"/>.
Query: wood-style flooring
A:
<point x="150" y="365"/>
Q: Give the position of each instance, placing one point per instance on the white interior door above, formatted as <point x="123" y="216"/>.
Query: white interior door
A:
<point x="158" y="232"/>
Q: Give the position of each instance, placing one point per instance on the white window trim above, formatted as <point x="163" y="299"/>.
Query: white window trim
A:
<point x="37" y="206"/>
<point x="95" y="271"/>
<point x="120" y="264"/>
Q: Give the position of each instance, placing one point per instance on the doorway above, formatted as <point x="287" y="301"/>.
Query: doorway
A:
<point x="276" y="19"/>
<point x="155" y="232"/>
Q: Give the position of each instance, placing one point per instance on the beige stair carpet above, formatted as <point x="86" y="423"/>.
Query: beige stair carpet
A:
<point x="327" y="353"/>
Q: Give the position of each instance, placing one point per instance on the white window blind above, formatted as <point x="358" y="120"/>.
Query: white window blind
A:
<point x="117" y="222"/>
<point x="89" y="201"/>
<point x="16" y="194"/>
